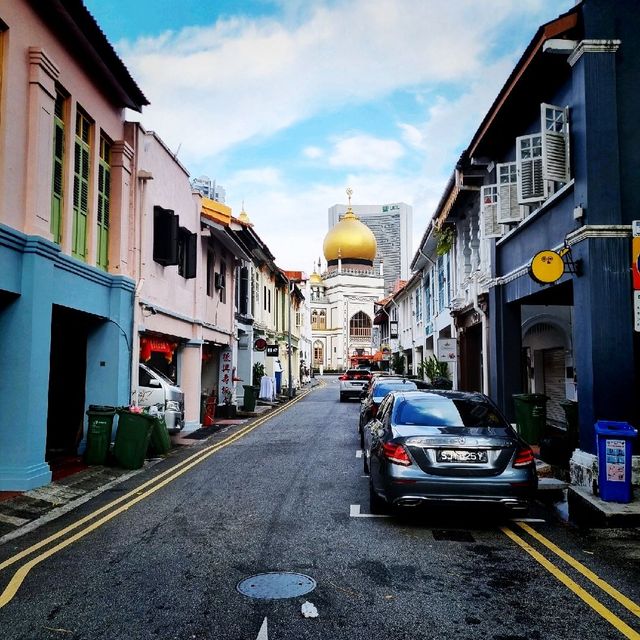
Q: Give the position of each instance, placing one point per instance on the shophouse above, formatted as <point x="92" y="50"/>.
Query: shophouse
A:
<point x="65" y="287"/>
<point x="543" y="202"/>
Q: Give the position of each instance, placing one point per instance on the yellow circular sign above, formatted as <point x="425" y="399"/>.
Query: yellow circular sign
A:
<point x="546" y="267"/>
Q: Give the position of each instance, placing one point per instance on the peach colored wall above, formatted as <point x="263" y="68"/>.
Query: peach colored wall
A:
<point x="26" y="134"/>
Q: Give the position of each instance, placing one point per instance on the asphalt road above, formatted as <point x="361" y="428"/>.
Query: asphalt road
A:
<point x="281" y="499"/>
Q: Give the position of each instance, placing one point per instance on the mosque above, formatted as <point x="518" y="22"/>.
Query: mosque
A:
<point x="343" y="296"/>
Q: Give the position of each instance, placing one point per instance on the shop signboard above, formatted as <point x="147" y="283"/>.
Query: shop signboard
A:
<point x="447" y="350"/>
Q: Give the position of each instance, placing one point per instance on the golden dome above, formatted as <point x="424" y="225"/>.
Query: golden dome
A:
<point x="350" y="239"/>
<point x="315" y="278"/>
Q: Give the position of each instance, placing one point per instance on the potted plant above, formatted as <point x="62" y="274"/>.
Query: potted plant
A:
<point x="436" y="370"/>
<point x="258" y="372"/>
<point x="444" y="239"/>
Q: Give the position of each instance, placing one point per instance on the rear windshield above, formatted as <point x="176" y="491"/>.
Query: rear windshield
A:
<point x="381" y="389"/>
<point x="438" y="411"/>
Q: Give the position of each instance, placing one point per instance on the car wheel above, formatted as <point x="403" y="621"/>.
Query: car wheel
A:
<point x="376" y="504"/>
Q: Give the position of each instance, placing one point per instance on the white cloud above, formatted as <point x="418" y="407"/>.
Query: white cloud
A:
<point x="366" y="151"/>
<point x="265" y="176"/>
<point x="212" y="87"/>
<point x="313" y="153"/>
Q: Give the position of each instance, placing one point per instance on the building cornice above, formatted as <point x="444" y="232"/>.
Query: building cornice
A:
<point x="592" y="46"/>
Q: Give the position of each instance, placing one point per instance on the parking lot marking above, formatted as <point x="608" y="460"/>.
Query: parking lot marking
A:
<point x="359" y="453"/>
<point x="354" y="512"/>
<point x="528" y="520"/>
<point x="587" y="573"/>
<point x="584" y="595"/>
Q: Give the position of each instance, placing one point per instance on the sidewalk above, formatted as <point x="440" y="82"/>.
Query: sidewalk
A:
<point x="75" y="483"/>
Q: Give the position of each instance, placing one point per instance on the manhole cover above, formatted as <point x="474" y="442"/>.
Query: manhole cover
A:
<point x="275" y="585"/>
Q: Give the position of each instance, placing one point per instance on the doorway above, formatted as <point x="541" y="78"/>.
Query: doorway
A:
<point x="67" y="382"/>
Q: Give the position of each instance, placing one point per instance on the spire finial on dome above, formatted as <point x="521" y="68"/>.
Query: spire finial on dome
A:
<point x="349" y="194"/>
<point x="243" y="217"/>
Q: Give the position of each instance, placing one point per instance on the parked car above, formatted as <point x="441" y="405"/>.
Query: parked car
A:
<point x="374" y="395"/>
<point x="156" y="390"/>
<point x="352" y="381"/>
<point x="446" y="446"/>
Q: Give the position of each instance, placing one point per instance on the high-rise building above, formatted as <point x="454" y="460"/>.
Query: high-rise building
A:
<point x="392" y="227"/>
<point x="208" y="188"/>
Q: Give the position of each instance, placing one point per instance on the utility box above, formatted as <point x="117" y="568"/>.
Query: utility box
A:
<point x="614" y="440"/>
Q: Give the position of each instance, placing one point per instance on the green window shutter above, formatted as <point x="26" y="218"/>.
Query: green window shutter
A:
<point x="81" y="188"/>
<point x="104" y="192"/>
<point x="57" y="184"/>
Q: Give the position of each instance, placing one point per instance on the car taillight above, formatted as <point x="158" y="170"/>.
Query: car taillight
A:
<point x="524" y="457"/>
<point x="374" y="410"/>
<point x="343" y="377"/>
<point x="396" y="453"/>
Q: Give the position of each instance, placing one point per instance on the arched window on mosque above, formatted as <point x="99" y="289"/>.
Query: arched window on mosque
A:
<point x="360" y="325"/>
<point x="318" y="354"/>
<point x="318" y="319"/>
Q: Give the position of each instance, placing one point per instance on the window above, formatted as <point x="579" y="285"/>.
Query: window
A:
<point x="57" y="186"/>
<point x="543" y="158"/>
<point x="81" y="174"/>
<point x="418" y="304"/>
<point x="187" y="247"/>
<point x="489" y="212"/>
<point x="443" y="282"/>
<point x="165" y="236"/>
<point x="269" y="300"/>
<point x="104" y="193"/>
<point x="318" y="319"/>
<point x="243" y="306"/>
<point x="360" y="325"/>
<point x="264" y="297"/>
<point x="428" y="305"/>
<point x="298" y="319"/>
<point x="211" y="266"/>
<point x="318" y="354"/>
<point x="223" y="281"/>
<point x="508" y="208"/>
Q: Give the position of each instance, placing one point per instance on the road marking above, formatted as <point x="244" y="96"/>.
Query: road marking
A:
<point x="585" y="596"/>
<point x="262" y="634"/>
<point x="140" y="493"/>
<point x="354" y="512"/>
<point x="359" y="453"/>
<point x="587" y="573"/>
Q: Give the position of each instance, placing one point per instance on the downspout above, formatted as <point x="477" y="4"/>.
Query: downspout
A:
<point x="485" y="339"/>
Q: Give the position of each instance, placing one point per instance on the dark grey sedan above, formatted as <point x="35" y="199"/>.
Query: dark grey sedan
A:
<point x="446" y="446"/>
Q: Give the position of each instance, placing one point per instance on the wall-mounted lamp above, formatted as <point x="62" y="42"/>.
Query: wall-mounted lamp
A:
<point x="144" y="175"/>
<point x="148" y="310"/>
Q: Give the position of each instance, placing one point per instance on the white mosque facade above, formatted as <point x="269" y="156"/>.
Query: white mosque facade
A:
<point x="343" y="296"/>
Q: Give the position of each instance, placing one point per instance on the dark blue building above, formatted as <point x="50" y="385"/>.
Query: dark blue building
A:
<point x="555" y="164"/>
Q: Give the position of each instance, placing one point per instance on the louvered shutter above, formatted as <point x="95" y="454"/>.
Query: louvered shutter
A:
<point x="56" y="187"/>
<point x="508" y="207"/>
<point x="555" y="143"/>
<point x="531" y="185"/>
<point x="191" y="256"/>
<point x="104" y="194"/>
<point x="489" y="211"/>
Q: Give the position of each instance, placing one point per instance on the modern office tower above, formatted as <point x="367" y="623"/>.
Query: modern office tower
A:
<point x="392" y="227"/>
<point x="208" y="188"/>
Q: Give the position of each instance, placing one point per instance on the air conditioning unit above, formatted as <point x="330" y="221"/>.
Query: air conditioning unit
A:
<point x="218" y="281"/>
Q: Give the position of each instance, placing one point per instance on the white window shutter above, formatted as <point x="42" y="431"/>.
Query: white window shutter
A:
<point x="555" y="143"/>
<point x="531" y="185"/>
<point x="509" y="209"/>
<point x="489" y="212"/>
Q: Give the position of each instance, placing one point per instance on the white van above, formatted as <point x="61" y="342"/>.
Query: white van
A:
<point x="155" y="389"/>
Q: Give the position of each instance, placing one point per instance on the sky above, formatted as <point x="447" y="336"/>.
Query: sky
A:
<point x="286" y="103"/>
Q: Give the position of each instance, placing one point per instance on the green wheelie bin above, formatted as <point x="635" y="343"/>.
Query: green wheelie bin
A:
<point x="159" y="441"/>
<point x="249" y="400"/>
<point x="99" y="433"/>
<point x="531" y="415"/>
<point x="132" y="438"/>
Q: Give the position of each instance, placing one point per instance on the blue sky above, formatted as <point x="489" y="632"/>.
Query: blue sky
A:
<point x="286" y="103"/>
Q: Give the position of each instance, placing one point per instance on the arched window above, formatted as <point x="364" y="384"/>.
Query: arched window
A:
<point x="360" y="325"/>
<point x="318" y="354"/>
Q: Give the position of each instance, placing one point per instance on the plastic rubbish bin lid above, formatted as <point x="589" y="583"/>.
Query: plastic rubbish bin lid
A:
<point x="98" y="408"/>
<point x="612" y="428"/>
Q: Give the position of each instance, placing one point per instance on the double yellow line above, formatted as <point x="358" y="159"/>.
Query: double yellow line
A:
<point x="584" y="595"/>
<point x="126" y="502"/>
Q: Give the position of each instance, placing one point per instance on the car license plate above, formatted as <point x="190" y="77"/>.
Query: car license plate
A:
<point x="460" y="455"/>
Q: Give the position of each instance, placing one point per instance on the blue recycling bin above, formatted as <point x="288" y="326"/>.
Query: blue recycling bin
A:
<point x="278" y="375"/>
<point x="613" y="441"/>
